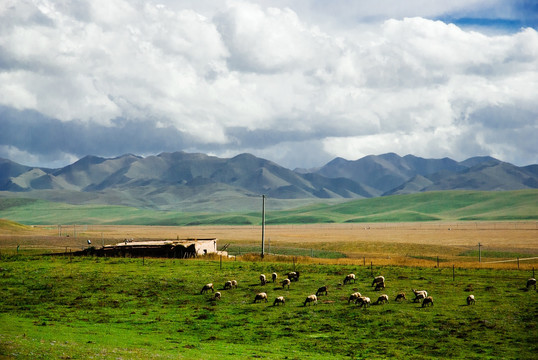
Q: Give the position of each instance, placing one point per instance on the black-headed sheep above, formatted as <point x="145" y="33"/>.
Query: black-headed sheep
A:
<point x="217" y="295"/>
<point x="286" y="282"/>
<point x="363" y="301"/>
<point x="274" y="276"/>
<point x="311" y="299"/>
<point x="207" y="287"/>
<point x="279" y="300"/>
<point x="531" y="282"/>
<point x="322" y="290"/>
<point x="354" y="297"/>
<point x="382" y="299"/>
<point x="428" y="301"/>
<point x="263" y="280"/>
<point x="260" y="297"/>
<point x="230" y="284"/>
<point x="348" y="278"/>
<point x="419" y="294"/>
<point x="378" y="280"/>
<point x="293" y="276"/>
<point x="234" y="284"/>
<point x="379" y="286"/>
<point x="470" y="300"/>
<point x="400" y="297"/>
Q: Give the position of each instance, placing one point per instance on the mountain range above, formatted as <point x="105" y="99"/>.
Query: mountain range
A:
<point x="198" y="182"/>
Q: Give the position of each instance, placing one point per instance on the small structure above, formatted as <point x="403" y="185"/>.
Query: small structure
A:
<point x="185" y="248"/>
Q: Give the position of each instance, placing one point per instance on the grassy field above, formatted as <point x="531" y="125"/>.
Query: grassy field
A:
<point x="117" y="308"/>
<point x="431" y="206"/>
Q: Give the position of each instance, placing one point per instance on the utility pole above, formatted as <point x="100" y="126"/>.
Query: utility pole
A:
<point x="263" y="225"/>
<point x="479" y="253"/>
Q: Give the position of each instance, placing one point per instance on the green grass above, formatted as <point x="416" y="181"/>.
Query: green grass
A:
<point x="110" y="308"/>
<point x="430" y="206"/>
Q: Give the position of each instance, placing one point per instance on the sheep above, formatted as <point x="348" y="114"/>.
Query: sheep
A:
<point x="470" y="299"/>
<point x="363" y="301"/>
<point x="382" y="299"/>
<point x="419" y="294"/>
<point x="286" y="282"/>
<point x="274" y="276"/>
<point x="400" y="297"/>
<point x="263" y="280"/>
<point x="279" y="300"/>
<point x="322" y="290"/>
<point x="427" y="301"/>
<point x="311" y="299"/>
<point x="293" y="276"/>
<point x="234" y="284"/>
<point x="230" y="284"/>
<point x="379" y="286"/>
<point x="217" y="295"/>
<point x="207" y="287"/>
<point x="260" y="297"/>
<point x="354" y="297"/>
<point x="348" y="278"/>
<point x="531" y="282"/>
<point x="377" y="280"/>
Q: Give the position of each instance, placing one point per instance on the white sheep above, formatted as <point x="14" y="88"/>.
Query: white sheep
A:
<point x="207" y="287"/>
<point x="311" y="299"/>
<point x="470" y="299"/>
<point x="285" y="283"/>
<point x="531" y="282"/>
<point x="427" y="301"/>
<point x="260" y="297"/>
<point x="322" y="290"/>
<point x="382" y="299"/>
<point x="217" y="295"/>
<point x="400" y="297"/>
<point x="378" y="280"/>
<point x="348" y="278"/>
<point x="419" y="294"/>
<point x="279" y="300"/>
<point x="354" y="297"/>
<point x="274" y="276"/>
<point x="263" y="280"/>
<point x="363" y="301"/>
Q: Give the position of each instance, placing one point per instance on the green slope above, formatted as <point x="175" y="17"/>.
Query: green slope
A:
<point x="431" y="206"/>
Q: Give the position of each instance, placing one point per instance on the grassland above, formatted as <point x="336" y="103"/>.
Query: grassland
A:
<point x="432" y="206"/>
<point x="110" y="308"/>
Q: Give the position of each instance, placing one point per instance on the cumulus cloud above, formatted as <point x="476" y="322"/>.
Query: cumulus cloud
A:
<point x="298" y="83"/>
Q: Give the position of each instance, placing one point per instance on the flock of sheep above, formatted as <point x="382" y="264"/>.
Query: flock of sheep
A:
<point x="356" y="297"/>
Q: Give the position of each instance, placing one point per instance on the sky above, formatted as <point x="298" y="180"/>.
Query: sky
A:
<point x="297" y="82"/>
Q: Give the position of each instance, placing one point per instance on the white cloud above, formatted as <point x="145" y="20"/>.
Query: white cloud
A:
<point x="400" y="84"/>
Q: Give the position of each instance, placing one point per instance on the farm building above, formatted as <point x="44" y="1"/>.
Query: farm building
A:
<point x="185" y="248"/>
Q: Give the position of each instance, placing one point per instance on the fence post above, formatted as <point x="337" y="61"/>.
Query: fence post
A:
<point x="453" y="274"/>
<point x="518" y="262"/>
<point x="364" y="260"/>
<point x="438" y="262"/>
<point x="372" y="268"/>
<point x="221" y="261"/>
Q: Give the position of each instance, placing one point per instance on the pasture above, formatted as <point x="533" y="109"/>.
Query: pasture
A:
<point x="131" y="308"/>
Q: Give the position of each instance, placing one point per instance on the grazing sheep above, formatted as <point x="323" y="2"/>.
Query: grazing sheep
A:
<point x="274" y="276"/>
<point x="470" y="299"/>
<point x="382" y="299"/>
<point x="354" y="297"/>
<point x="400" y="297"/>
<point x="379" y="286"/>
<point x="286" y="282"/>
<point x="207" y="287"/>
<point x="263" y="280"/>
<point x="234" y="284"/>
<point x="293" y="276"/>
<point x="279" y="300"/>
<point x="227" y="285"/>
<point x="311" y="299"/>
<point x="348" y="278"/>
<point x="378" y="280"/>
<point x="531" y="282"/>
<point x="427" y="301"/>
<point x="419" y="294"/>
<point x="363" y="301"/>
<point x="260" y="297"/>
<point x="322" y="290"/>
<point x="217" y="295"/>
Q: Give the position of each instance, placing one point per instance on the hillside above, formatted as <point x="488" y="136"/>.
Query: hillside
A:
<point x="430" y="206"/>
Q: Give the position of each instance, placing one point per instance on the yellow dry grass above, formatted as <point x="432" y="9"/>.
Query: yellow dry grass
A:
<point x="416" y="244"/>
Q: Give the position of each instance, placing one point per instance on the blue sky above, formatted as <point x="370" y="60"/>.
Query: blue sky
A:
<point x="296" y="82"/>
